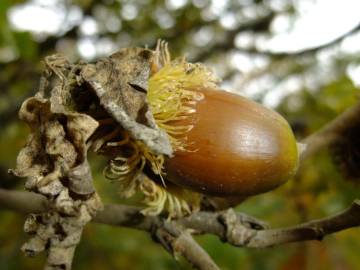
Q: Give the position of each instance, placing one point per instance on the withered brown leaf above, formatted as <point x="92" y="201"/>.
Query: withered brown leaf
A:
<point x="120" y="82"/>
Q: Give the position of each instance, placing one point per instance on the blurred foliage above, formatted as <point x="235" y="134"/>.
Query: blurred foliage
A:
<point x="211" y="33"/>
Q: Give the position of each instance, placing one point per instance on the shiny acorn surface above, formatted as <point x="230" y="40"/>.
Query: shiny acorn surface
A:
<point x="240" y="148"/>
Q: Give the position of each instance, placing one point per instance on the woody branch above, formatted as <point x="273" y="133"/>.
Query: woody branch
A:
<point x="235" y="228"/>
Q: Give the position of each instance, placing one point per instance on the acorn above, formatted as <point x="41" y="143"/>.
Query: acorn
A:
<point x="238" y="147"/>
<point x="224" y="145"/>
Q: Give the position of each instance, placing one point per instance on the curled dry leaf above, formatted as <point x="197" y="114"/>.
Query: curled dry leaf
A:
<point x="120" y="82"/>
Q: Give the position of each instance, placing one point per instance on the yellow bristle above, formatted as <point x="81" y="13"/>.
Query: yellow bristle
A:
<point x="171" y="94"/>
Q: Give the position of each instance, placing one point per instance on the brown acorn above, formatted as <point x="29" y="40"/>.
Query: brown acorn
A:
<point x="224" y="145"/>
<point x="239" y="147"/>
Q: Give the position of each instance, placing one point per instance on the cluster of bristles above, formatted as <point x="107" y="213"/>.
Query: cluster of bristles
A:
<point x="171" y="97"/>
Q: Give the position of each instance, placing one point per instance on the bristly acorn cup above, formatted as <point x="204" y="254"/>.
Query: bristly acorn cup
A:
<point x="224" y="144"/>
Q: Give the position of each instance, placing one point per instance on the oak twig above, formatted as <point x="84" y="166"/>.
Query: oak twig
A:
<point x="235" y="228"/>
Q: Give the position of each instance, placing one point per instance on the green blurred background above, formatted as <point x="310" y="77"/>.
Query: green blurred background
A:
<point x="298" y="57"/>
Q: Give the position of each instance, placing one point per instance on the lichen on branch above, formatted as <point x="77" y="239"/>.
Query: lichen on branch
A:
<point x="54" y="161"/>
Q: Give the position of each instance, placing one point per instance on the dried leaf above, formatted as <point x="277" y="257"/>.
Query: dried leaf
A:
<point x="120" y="82"/>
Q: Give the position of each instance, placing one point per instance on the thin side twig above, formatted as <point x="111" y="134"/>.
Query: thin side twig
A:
<point x="178" y="241"/>
<point x="331" y="131"/>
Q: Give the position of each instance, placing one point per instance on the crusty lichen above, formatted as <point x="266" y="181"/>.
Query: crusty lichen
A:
<point x="54" y="161"/>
